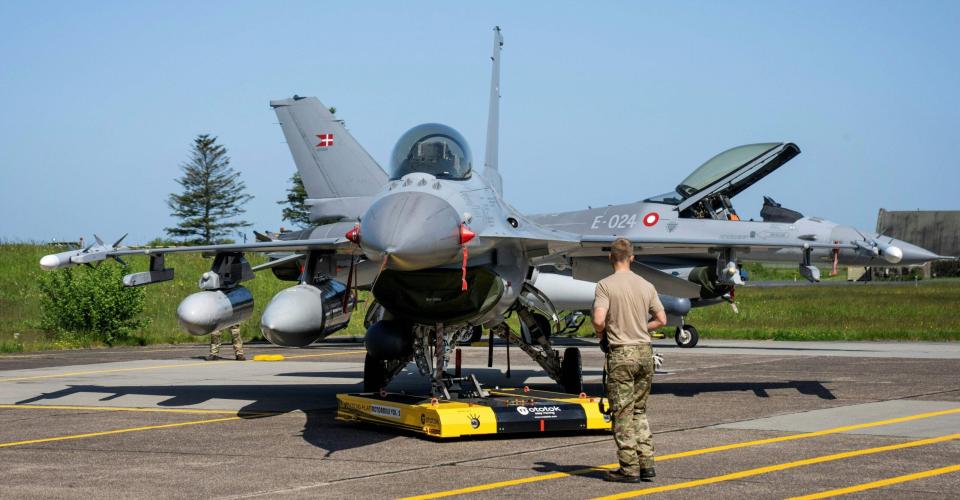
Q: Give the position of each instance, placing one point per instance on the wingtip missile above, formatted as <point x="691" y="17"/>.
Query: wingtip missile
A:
<point x="95" y="252"/>
<point x="58" y="260"/>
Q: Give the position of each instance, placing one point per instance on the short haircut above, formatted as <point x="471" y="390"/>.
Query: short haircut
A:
<point x="621" y="250"/>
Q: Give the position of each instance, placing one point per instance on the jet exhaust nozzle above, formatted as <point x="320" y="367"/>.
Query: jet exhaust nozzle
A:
<point x="302" y="314"/>
<point x="205" y="312"/>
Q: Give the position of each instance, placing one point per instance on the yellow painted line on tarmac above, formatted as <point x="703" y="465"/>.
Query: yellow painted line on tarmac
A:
<point x="119" y="409"/>
<point x="94" y="372"/>
<point x="337" y="353"/>
<point x="123" y="431"/>
<point x="682" y="454"/>
<point x="779" y="467"/>
<point x="156" y="367"/>
<point x="47" y="354"/>
<point x="881" y="483"/>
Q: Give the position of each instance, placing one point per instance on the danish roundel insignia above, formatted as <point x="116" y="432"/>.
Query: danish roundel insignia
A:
<point x="651" y="219"/>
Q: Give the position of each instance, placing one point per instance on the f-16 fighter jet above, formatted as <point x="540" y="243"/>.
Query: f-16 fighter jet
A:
<point x="444" y="255"/>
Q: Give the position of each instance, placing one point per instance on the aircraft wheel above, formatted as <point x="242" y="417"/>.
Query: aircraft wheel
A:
<point x="374" y="374"/>
<point x="687" y="336"/>
<point x="475" y="336"/>
<point x="571" y="371"/>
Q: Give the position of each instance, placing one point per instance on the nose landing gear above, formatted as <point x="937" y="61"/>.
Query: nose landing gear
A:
<point x="686" y="336"/>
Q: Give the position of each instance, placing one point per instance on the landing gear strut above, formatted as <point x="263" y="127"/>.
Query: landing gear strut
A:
<point x="377" y="373"/>
<point x="565" y="370"/>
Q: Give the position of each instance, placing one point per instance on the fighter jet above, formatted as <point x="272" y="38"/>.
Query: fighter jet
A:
<point x="444" y="255"/>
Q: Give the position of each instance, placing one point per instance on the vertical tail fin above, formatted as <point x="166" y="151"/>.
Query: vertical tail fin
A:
<point x="491" y="160"/>
<point x="339" y="175"/>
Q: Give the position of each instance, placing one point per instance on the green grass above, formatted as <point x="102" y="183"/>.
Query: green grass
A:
<point x="860" y="312"/>
<point x="887" y="312"/>
<point x="20" y="299"/>
<point x="786" y="272"/>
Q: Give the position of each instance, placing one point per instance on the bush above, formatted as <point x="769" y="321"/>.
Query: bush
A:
<point x="83" y="305"/>
<point x="946" y="268"/>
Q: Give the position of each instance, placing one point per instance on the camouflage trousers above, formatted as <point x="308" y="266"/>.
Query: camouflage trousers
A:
<point x="237" y="341"/>
<point x="629" y="376"/>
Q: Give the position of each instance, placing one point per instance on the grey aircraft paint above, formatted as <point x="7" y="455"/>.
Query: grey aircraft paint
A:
<point x="443" y="253"/>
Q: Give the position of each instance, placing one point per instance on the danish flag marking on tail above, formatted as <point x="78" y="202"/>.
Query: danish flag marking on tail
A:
<point x="326" y="140"/>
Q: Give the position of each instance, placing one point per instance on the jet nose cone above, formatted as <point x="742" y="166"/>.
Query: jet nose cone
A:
<point x="417" y="231"/>
<point x="912" y="254"/>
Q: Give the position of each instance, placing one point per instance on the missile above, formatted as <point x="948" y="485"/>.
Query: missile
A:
<point x="866" y="247"/>
<point x="890" y="253"/>
<point x="301" y="314"/>
<point x="58" y="260"/>
<point x="205" y="312"/>
<point x="94" y="253"/>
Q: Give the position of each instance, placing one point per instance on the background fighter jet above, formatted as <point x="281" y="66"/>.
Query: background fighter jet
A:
<point x="444" y="255"/>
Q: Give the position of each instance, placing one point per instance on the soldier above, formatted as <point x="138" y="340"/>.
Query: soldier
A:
<point x="622" y="304"/>
<point x="237" y="344"/>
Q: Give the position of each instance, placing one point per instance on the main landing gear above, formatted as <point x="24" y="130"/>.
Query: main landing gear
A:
<point x="566" y="370"/>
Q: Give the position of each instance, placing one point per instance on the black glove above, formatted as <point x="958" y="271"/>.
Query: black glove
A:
<point x="605" y="345"/>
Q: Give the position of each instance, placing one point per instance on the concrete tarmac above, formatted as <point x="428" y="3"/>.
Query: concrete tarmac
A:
<point x="731" y="419"/>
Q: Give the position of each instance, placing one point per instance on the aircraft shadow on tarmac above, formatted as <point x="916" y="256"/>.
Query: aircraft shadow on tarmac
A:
<point x="318" y="403"/>
<point x="263" y="399"/>
<point x="489" y="377"/>
<point x="690" y="389"/>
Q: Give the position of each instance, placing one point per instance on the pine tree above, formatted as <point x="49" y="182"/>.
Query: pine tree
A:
<point x="297" y="211"/>
<point x="213" y="194"/>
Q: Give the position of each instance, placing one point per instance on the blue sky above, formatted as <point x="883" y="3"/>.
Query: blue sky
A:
<point x="603" y="102"/>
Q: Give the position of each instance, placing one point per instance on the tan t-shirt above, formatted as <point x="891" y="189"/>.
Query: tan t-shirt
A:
<point x="629" y="300"/>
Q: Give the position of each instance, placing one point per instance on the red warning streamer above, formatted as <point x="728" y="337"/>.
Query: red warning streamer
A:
<point x="465" y="236"/>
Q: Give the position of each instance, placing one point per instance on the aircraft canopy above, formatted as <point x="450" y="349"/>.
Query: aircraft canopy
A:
<point x="433" y="149"/>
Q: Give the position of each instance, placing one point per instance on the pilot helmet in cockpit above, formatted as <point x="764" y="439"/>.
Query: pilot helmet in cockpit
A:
<point x="433" y="149"/>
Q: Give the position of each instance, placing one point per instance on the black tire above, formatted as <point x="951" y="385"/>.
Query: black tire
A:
<point x="571" y="371"/>
<point x="475" y="336"/>
<point x="374" y="374"/>
<point x="687" y="337"/>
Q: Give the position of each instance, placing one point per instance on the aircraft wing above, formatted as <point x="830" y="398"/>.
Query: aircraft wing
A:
<point x="99" y="251"/>
<point x="543" y="243"/>
<point x="597" y="268"/>
<point x="600" y="241"/>
<point x="537" y="241"/>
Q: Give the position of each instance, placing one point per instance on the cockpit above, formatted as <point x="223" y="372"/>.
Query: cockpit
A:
<point x="433" y="149"/>
<point x="706" y="193"/>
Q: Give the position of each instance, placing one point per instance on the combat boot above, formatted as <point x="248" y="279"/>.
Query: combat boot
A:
<point x="618" y="476"/>
<point x="241" y="357"/>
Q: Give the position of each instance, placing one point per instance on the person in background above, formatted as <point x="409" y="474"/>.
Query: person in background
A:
<point x="237" y="344"/>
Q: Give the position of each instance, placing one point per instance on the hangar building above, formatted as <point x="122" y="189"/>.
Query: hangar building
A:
<point x="935" y="230"/>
